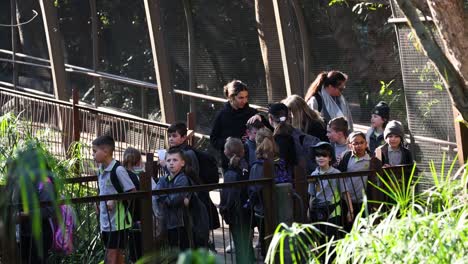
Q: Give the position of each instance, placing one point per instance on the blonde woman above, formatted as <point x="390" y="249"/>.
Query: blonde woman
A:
<point x="304" y="118"/>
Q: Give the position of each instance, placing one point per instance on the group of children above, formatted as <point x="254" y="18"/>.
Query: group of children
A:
<point x="382" y="146"/>
<point x="119" y="225"/>
<point x="242" y="208"/>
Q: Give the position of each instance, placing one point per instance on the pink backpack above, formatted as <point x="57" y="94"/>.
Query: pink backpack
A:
<point x="62" y="232"/>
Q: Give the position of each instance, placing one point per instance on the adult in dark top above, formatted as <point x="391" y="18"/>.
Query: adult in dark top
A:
<point x="231" y="120"/>
<point x="305" y="118"/>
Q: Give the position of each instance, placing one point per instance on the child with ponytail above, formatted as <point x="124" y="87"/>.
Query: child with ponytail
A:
<point x="233" y="199"/>
<point x="266" y="149"/>
<point x="278" y="114"/>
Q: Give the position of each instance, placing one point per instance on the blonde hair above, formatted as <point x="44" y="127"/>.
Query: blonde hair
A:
<point x="131" y="157"/>
<point x="301" y="113"/>
<point x="234" y="150"/>
<point x="266" y="145"/>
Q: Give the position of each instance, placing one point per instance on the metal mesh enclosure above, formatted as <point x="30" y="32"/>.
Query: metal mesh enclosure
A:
<point x="226" y="48"/>
<point x="428" y="103"/>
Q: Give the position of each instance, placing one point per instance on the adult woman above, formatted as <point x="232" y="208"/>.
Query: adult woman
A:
<point x="231" y="120"/>
<point x="304" y="118"/>
<point x="325" y="96"/>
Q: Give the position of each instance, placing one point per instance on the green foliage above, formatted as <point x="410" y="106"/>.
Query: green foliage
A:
<point x="297" y="243"/>
<point x="24" y="161"/>
<point x="198" y="256"/>
<point x="400" y="191"/>
<point x="394" y="96"/>
<point x="338" y="2"/>
<point x="426" y="227"/>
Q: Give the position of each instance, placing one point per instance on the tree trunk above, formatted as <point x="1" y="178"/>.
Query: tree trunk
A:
<point x="449" y="18"/>
<point x="271" y="53"/>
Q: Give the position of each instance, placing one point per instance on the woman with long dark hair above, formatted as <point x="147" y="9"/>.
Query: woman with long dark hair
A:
<point x="325" y="96"/>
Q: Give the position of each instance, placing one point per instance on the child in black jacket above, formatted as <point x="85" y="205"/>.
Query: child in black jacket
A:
<point x="394" y="152"/>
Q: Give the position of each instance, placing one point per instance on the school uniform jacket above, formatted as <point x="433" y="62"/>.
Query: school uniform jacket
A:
<point x="381" y="153"/>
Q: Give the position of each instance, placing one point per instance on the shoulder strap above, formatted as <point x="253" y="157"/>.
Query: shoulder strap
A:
<point x="318" y="97"/>
<point x="344" y="161"/>
<point x="301" y="139"/>
<point x="114" y="179"/>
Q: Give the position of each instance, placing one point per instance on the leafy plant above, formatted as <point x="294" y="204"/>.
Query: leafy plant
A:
<point x="426" y="227"/>
<point x="400" y="190"/>
<point x="297" y="243"/>
<point x="197" y="256"/>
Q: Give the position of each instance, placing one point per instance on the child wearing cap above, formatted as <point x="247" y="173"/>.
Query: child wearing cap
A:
<point x="393" y="152"/>
<point x="324" y="204"/>
<point x="278" y="114"/>
<point x="379" y="120"/>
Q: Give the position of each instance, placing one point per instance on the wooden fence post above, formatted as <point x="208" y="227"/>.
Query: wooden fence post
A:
<point x="269" y="205"/>
<point x="76" y="116"/>
<point x="146" y="207"/>
<point x="300" y="185"/>
<point x="461" y="135"/>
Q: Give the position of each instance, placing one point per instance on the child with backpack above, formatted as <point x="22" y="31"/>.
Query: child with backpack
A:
<point x="379" y="119"/>
<point x="357" y="159"/>
<point x="204" y="169"/>
<point x="267" y="149"/>
<point x="394" y="152"/>
<point x="324" y="204"/>
<point x="278" y="116"/>
<point x="294" y="145"/>
<point x="114" y="218"/>
<point x="337" y="133"/>
<point x="249" y="145"/>
<point x="177" y="233"/>
<point x="133" y="164"/>
<point x="233" y="199"/>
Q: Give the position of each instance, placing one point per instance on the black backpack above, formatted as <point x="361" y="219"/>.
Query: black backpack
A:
<point x="208" y="167"/>
<point x="319" y="99"/>
<point x="132" y="206"/>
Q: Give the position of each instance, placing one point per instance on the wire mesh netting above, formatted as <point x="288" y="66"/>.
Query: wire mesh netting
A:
<point x="429" y="107"/>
